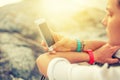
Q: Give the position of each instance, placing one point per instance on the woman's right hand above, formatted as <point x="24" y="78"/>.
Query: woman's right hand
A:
<point x="62" y="43"/>
<point x="57" y="37"/>
<point x="105" y="53"/>
<point x="65" y="44"/>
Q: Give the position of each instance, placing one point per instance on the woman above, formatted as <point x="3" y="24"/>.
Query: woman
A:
<point x="57" y="68"/>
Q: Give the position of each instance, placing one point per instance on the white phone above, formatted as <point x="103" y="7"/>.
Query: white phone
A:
<point x="45" y="32"/>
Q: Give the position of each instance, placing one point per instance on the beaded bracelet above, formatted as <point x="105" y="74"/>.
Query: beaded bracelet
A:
<point x="79" y="46"/>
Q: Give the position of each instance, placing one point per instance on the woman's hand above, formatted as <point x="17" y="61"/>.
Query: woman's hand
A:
<point x="62" y="43"/>
<point x="57" y="37"/>
<point x="65" y="44"/>
<point x="105" y="53"/>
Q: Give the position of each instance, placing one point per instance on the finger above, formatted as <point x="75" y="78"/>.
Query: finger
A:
<point x="57" y="45"/>
<point x="63" y="49"/>
<point x="45" y="48"/>
<point x="114" y="50"/>
<point x="52" y="52"/>
<point x="43" y="43"/>
<point x="111" y="61"/>
<point x="54" y="47"/>
<point x="60" y="47"/>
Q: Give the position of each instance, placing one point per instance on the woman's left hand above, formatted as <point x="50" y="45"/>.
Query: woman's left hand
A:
<point x="105" y="53"/>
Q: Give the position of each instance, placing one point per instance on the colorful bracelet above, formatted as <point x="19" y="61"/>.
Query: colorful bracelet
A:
<point x="79" y="46"/>
<point x="90" y="52"/>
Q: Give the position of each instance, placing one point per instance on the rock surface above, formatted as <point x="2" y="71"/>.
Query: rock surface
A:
<point x="18" y="43"/>
<point x="20" y="40"/>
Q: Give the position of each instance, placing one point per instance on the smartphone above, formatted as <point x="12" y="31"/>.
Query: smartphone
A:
<point x="45" y="32"/>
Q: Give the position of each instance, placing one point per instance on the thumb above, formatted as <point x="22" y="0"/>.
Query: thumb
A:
<point x="113" y="60"/>
<point x="115" y="48"/>
<point x="57" y="45"/>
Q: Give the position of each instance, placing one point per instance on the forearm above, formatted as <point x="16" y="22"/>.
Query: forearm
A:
<point x="93" y="44"/>
<point x="63" y="43"/>
<point x="74" y="57"/>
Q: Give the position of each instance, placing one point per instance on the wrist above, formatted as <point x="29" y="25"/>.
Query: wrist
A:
<point x="77" y="45"/>
<point x="96" y="57"/>
<point x="80" y="45"/>
<point x="74" y="45"/>
<point x="91" y="56"/>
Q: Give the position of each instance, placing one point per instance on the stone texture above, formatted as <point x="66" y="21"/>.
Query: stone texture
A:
<point x="20" y="40"/>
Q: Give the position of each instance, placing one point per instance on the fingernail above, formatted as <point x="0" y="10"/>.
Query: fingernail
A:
<point x="50" y="49"/>
<point x="54" y="46"/>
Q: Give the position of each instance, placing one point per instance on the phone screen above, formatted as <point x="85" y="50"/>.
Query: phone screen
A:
<point x="46" y="33"/>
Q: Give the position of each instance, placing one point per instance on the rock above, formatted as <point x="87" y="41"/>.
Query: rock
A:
<point x="20" y="21"/>
<point x="20" y="40"/>
<point x="6" y="38"/>
<point x="17" y="58"/>
<point x="21" y="60"/>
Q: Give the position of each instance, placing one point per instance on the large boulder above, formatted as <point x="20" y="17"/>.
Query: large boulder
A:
<point x="20" y="39"/>
<point x="19" y="42"/>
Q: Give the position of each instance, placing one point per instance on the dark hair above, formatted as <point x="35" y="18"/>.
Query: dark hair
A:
<point x="119" y="3"/>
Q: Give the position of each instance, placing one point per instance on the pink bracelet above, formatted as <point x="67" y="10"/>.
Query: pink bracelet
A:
<point x="90" y="52"/>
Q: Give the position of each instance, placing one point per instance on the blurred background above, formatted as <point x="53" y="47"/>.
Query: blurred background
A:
<point x="19" y="35"/>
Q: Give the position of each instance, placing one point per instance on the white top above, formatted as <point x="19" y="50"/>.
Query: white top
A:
<point x="62" y="69"/>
